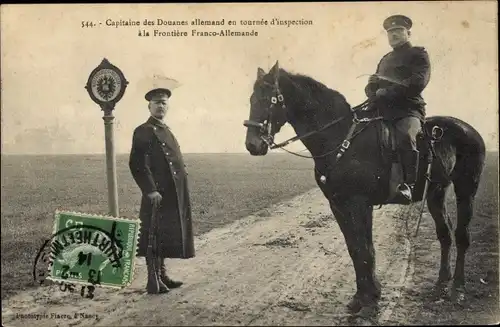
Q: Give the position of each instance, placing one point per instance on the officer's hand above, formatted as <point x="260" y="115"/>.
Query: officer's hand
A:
<point x="381" y="93"/>
<point x="155" y="198"/>
<point x="373" y="79"/>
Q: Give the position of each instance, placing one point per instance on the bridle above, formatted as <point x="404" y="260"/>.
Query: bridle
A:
<point x="266" y="128"/>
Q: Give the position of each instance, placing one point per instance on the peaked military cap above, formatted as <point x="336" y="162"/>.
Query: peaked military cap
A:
<point x="397" y="21"/>
<point x="157" y="91"/>
<point x="158" y="84"/>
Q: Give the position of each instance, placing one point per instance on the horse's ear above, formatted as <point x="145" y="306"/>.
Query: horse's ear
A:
<point x="260" y="73"/>
<point x="275" y="71"/>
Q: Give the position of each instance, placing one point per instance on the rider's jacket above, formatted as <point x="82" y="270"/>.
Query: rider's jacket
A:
<point x="407" y="65"/>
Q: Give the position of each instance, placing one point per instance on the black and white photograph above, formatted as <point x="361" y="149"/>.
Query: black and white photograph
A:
<point x="250" y="164"/>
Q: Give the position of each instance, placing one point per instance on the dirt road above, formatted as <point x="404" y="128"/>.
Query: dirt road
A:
<point x="287" y="265"/>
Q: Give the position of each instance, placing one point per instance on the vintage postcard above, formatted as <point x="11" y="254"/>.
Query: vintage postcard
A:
<point x="330" y="163"/>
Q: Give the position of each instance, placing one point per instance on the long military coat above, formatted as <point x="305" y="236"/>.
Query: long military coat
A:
<point x="156" y="164"/>
<point x="407" y="64"/>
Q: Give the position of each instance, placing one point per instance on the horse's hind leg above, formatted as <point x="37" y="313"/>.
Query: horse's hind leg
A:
<point x="437" y="208"/>
<point x="465" y="192"/>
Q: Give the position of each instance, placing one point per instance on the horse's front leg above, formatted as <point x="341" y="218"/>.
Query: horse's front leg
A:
<point x="354" y="217"/>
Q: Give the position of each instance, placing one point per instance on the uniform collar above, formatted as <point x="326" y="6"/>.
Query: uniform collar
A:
<point x="403" y="46"/>
<point x="155" y="121"/>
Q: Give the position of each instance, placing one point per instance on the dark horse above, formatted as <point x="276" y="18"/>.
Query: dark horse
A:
<point x="354" y="168"/>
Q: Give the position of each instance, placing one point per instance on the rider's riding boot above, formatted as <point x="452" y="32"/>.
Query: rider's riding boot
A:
<point x="163" y="288"/>
<point x="409" y="160"/>
<point x="164" y="277"/>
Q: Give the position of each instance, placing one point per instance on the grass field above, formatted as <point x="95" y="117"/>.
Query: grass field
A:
<point x="224" y="187"/>
<point x="481" y="266"/>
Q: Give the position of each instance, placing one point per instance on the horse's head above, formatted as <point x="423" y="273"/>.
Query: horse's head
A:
<point x="267" y="112"/>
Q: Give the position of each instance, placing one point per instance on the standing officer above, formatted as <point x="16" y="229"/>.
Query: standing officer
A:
<point x="396" y="89"/>
<point x="158" y="168"/>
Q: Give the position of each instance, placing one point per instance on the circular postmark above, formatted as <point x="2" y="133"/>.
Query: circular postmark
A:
<point x="89" y="250"/>
<point x="80" y="254"/>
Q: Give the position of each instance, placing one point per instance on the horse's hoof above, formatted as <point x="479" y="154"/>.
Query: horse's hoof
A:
<point x="458" y="296"/>
<point x="358" y="321"/>
<point x="362" y="307"/>
<point x="354" y="305"/>
<point x="368" y="311"/>
<point x="440" y="291"/>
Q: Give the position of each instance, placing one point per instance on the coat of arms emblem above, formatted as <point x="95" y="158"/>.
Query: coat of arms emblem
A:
<point x="106" y="87"/>
<point x="106" y="84"/>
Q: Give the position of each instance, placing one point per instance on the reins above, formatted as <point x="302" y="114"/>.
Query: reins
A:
<point x="267" y="126"/>
<point x="343" y="146"/>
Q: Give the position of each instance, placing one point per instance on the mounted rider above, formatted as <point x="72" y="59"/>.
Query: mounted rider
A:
<point x="395" y="90"/>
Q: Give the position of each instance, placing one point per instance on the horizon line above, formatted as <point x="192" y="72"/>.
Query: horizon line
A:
<point x="118" y="153"/>
<point x="127" y="153"/>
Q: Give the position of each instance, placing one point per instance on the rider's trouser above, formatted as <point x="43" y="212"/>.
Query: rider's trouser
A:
<point x="407" y="129"/>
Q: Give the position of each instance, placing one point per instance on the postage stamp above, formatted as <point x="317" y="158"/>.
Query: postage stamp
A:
<point x="93" y="249"/>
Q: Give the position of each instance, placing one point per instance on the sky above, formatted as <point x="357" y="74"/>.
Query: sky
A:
<point x="47" y="57"/>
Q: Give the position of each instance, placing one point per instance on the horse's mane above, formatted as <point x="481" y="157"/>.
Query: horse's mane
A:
<point x="315" y="91"/>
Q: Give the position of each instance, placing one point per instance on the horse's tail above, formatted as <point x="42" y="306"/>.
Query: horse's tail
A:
<point x="469" y="146"/>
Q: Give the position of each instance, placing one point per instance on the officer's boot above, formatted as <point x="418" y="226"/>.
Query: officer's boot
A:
<point x="163" y="288"/>
<point x="164" y="277"/>
<point x="409" y="161"/>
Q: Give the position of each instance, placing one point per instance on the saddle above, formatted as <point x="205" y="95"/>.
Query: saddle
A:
<point x="393" y="169"/>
